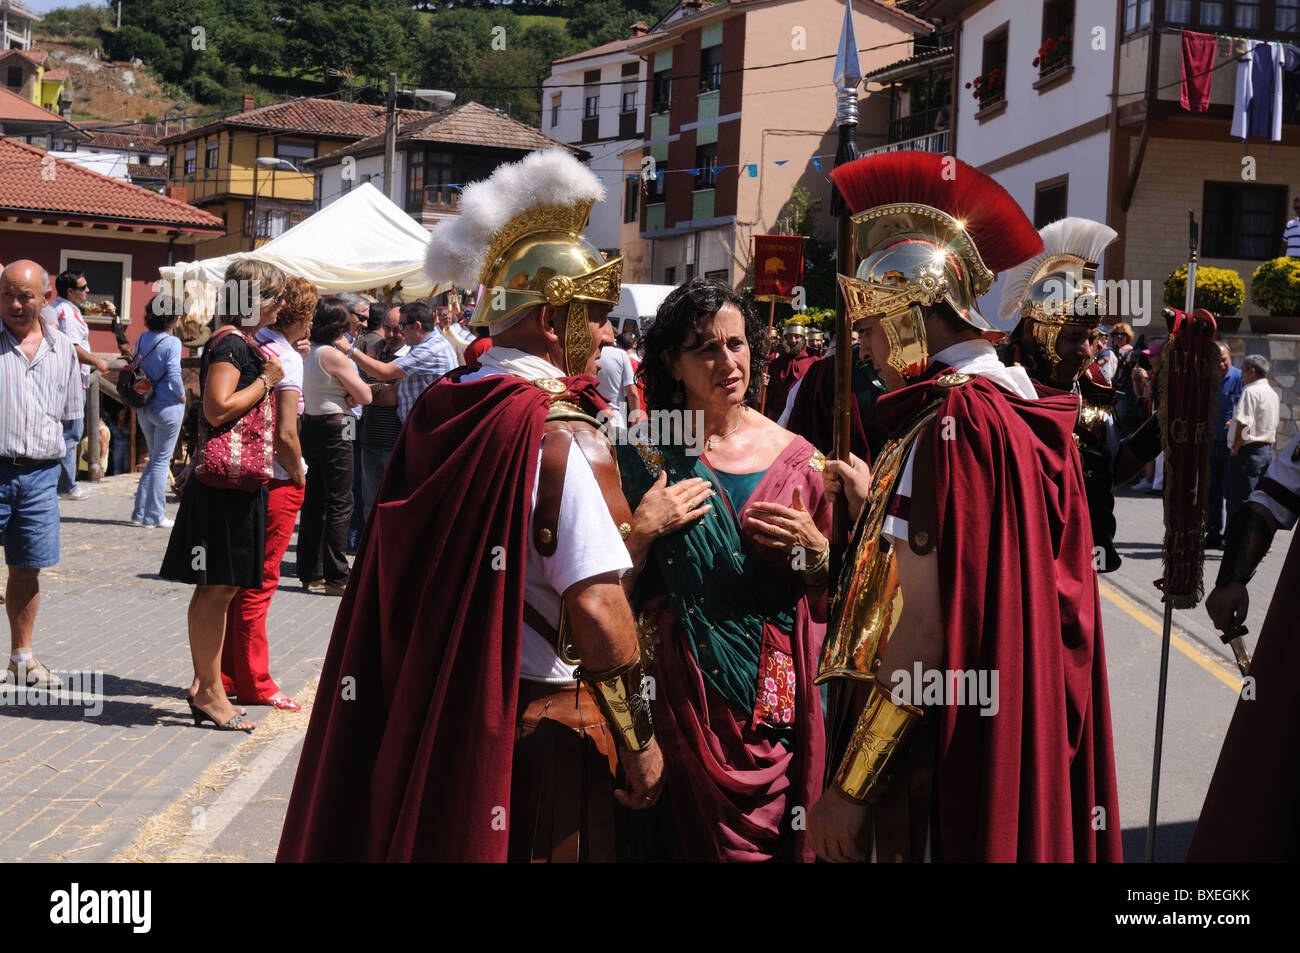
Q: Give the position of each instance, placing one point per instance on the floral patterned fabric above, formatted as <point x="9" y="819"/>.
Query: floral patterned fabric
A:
<point x="774" y="702"/>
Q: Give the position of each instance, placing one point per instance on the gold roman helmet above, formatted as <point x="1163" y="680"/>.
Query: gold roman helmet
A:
<point x="519" y="236"/>
<point x="1055" y="288"/>
<point x="795" y="328"/>
<point x="928" y="229"/>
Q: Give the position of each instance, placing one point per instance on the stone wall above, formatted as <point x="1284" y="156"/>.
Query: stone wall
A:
<point x="1282" y="352"/>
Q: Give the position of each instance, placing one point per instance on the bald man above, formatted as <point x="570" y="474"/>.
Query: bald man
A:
<point x="1231" y="390"/>
<point x="40" y="388"/>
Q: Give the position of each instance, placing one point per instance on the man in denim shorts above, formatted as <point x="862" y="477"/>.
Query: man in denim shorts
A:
<point x="40" y="388"/>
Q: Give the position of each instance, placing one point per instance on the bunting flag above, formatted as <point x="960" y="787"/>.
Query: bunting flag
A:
<point x="780" y="161"/>
<point x="753" y="170"/>
<point x="817" y="163"/>
<point x="693" y="171"/>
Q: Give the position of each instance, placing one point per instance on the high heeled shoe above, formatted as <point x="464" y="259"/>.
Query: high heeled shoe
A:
<point x="233" y="724"/>
<point x="233" y="698"/>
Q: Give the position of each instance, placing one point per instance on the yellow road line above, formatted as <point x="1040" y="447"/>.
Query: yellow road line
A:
<point x="1213" y="664"/>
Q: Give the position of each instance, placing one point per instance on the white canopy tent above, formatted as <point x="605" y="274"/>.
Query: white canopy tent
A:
<point x="639" y="302"/>
<point x="360" y="242"/>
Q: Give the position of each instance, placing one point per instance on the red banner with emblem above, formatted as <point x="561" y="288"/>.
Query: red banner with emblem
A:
<point x="778" y="266"/>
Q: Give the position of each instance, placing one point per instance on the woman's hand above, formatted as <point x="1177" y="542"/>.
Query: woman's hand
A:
<point x="852" y="478"/>
<point x="784" y="528"/>
<point x="273" y="370"/>
<point x="665" y="509"/>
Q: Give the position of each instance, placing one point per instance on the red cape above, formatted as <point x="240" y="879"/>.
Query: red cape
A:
<point x="781" y="376"/>
<point x="1252" y="810"/>
<point x="1020" y="599"/>
<point x="813" y="414"/>
<point x="408" y="754"/>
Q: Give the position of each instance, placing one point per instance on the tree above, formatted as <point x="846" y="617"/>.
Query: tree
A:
<point x="800" y="218"/>
<point x="510" y="80"/>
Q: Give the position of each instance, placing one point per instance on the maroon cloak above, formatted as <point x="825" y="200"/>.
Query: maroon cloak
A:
<point x="1252" y="810"/>
<point x="781" y="376"/>
<point x="408" y="754"/>
<point x="1020" y="599"/>
<point x="813" y="414"/>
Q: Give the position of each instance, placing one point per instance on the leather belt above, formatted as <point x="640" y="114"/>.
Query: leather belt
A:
<point x="26" y="462"/>
<point x="1255" y="443"/>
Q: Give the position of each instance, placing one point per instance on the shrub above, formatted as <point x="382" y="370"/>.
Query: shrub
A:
<point x="1276" y="286"/>
<point x="1218" y="290"/>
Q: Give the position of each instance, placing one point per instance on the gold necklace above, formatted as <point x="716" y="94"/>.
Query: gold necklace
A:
<point x="713" y="440"/>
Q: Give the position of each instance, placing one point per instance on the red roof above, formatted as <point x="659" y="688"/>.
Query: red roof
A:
<point x="35" y="57"/>
<point x="15" y="108"/>
<point x="54" y="76"/>
<point x="77" y="192"/>
<point x="117" y="138"/>
<point x="319" y="117"/>
<point x="141" y="170"/>
<point x="471" y="124"/>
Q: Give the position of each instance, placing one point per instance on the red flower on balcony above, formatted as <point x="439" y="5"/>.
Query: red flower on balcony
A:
<point x="1054" y="52"/>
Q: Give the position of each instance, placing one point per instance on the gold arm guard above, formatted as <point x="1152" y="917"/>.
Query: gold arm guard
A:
<point x="618" y="695"/>
<point x="881" y="728"/>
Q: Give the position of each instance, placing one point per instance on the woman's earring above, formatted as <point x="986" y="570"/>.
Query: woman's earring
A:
<point x="679" y="395"/>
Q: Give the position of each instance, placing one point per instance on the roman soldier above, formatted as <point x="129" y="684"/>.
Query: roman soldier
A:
<point x="968" y="716"/>
<point x="816" y="342"/>
<point x="1055" y="296"/>
<point x="483" y="683"/>
<point x="786" y="369"/>
<point x="1252" y="809"/>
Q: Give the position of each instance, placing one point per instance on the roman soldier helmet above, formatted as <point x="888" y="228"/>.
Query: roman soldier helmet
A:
<point x="928" y="229"/>
<point x="519" y="236"/>
<point x="795" y="328"/>
<point x="1055" y="288"/>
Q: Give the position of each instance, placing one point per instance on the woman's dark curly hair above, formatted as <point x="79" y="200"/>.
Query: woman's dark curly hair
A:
<point x="331" y="320"/>
<point x="685" y="312"/>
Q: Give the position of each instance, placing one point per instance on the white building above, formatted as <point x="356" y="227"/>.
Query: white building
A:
<point x="596" y="100"/>
<point x="16" y="21"/>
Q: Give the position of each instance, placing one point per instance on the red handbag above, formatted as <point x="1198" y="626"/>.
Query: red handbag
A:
<point x="239" y="455"/>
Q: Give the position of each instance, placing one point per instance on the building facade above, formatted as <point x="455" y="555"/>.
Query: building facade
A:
<point x="741" y="112"/>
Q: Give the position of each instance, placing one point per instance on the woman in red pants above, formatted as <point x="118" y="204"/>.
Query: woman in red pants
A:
<point x="245" y="659"/>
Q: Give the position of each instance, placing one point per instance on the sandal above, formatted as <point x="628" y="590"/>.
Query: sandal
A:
<point x="233" y="698"/>
<point x="234" y="723"/>
<point x="282" y="703"/>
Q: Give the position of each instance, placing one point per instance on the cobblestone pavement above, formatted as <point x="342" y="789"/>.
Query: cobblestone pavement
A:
<point x="81" y="778"/>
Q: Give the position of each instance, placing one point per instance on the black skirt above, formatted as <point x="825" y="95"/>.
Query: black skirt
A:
<point x="219" y="538"/>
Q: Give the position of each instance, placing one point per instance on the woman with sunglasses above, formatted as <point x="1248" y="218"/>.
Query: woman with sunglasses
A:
<point x="219" y="541"/>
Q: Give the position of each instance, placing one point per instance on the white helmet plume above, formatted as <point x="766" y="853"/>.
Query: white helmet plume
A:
<point x="1066" y="236"/>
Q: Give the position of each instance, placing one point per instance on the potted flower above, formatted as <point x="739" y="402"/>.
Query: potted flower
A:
<point x="1276" y="288"/>
<point x="1218" y="290"/>
<point x="989" y="88"/>
<point x="1054" y="53"/>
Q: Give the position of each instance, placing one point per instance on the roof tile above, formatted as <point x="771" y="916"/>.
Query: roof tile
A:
<point x="322" y="117"/>
<point x="76" y="190"/>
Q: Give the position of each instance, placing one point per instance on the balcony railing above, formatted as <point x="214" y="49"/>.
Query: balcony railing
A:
<point x="909" y="127"/>
<point x="936" y="142"/>
<point x="442" y="196"/>
<point x="937" y="40"/>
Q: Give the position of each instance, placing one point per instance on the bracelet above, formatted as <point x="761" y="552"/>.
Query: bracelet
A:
<point x="265" y="384"/>
<point x="822" y="560"/>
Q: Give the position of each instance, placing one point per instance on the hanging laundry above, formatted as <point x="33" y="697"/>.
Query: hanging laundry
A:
<point x="1198" y="70"/>
<point x="1257" y="108"/>
<point x="1290" y="81"/>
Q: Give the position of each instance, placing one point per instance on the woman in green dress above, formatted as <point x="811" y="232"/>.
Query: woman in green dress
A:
<point x="729" y="541"/>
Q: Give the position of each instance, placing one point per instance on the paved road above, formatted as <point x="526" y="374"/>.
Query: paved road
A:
<point x="136" y="781"/>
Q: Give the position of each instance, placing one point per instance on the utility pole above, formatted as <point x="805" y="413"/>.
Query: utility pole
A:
<point x="119" y="14"/>
<point x="390" y="139"/>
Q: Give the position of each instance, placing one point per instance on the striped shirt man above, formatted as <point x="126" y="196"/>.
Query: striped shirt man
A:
<point x="74" y="326"/>
<point x="36" y="396"/>
<point x="1291" y="236"/>
<point x="422" y="365"/>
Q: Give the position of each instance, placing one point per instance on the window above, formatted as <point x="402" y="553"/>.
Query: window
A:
<point x="109" y="277"/>
<point x="629" y="98"/>
<point x="1058" y="35"/>
<point x="711" y="68"/>
<point x="670" y="276"/>
<point x="555" y="111"/>
<point x="1246" y="15"/>
<point x="15" y="77"/>
<point x="191" y="158"/>
<point x="1243" y="221"/>
<point x="631" y="198"/>
<point x="210" y="156"/>
<point x="591" y="104"/>
<point x="1213" y="13"/>
<point x="1178" y="11"/>
<point x="993" y="69"/>
<point x="1286" y="16"/>
<point x="661" y="98"/>
<point x="414" y="181"/>
<point x="1137" y="14"/>
<point x="706" y="162"/>
<point x="1051" y="200"/>
<point x="295" y="152"/>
